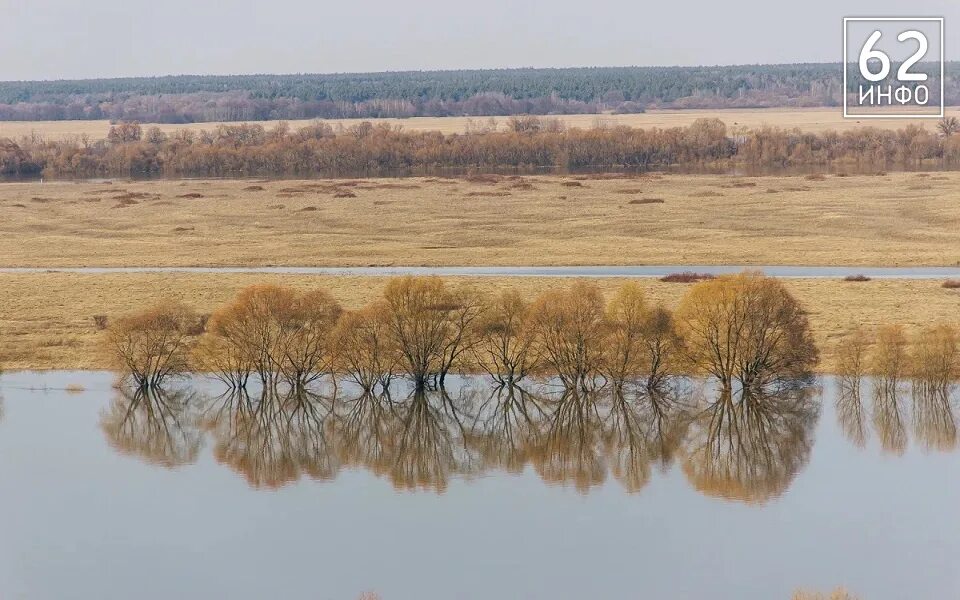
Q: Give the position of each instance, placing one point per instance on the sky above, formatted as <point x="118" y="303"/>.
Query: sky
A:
<point x="65" y="39"/>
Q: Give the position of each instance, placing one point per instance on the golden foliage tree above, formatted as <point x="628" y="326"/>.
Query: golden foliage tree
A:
<point x="363" y="347"/>
<point x="748" y="328"/>
<point x="935" y="355"/>
<point x="278" y="332"/>
<point x="571" y="329"/>
<point x="505" y="344"/>
<point x="627" y="314"/>
<point x="153" y="344"/>
<point x="430" y="325"/>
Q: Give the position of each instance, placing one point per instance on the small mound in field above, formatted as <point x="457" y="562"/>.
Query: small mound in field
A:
<point x="571" y="184"/>
<point x="856" y="278"/>
<point x="125" y="202"/>
<point x="773" y="191"/>
<point x="308" y="209"/>
<point x="392" y="186"/>
<point x="136" y="196"/>
<point x="182" y="229"/>
<point x="488" y="194"/>
<point x="706" y="194"/>
<point x="91" y="199"/>
<point x="254" y="188"/>
<point x="952" y="284"/>
<point x="796" y="188"/>
<point x="685" y="277"/>
<point x="277" y="206"/>
<point x="741" y="184"/>
<point x="487" y="179"/>
<point x="815" y="177"/>
<point x="647" y="201"/>
<point x="344" y="194"/>
<point x="521" y="185"/>
<point x="629" y="191"/>
<point x="41" y="199"/>
<point x="191" y="195"/>
<point x="842" y="175"/>
<point x="18" y="205"/>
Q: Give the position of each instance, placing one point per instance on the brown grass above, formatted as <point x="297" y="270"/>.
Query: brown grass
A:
<point x="46" y="321"/>
<point x="805" y="119"/>
<point x="838" y="221"/>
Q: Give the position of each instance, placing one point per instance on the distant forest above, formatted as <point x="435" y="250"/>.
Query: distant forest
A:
<point x="192" y="98"/>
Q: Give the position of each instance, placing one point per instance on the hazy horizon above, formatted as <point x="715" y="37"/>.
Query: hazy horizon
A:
<point x="137" y="38"/>
<point x="398" y="71"/>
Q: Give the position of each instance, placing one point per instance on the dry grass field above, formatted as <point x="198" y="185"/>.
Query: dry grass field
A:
<point x="806" y="119"/>
<point x="46" y="320"/>
<point x="895" y="219"/>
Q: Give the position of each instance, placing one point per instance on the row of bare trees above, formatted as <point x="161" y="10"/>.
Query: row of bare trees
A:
<point x="531" y="144"/>
<point x="930" y="355"/>
<point x="745" y="328"/>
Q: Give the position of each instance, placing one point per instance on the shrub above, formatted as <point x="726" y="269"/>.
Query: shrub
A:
<point x="952" y="284"/>
<point x="856" y="278"/>
<point x="100" y="322"/>
<point x="686" y="277"/>
<point x="151" y="345"/>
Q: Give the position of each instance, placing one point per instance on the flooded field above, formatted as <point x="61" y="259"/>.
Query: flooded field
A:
<point x="475" y="491"/>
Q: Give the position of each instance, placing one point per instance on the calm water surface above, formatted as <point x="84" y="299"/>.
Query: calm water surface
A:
<point x="474" y="494"/>
<point x="533" y="271"/>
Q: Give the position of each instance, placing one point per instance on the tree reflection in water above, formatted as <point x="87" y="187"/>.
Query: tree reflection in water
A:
<point x="746" y="446"/>
<point x="749" y="445"/>
<point x="851" y="414"/>
<point x="153" y="424"/>
<point x="928" y="413"/>
<point x="272" y="439"/>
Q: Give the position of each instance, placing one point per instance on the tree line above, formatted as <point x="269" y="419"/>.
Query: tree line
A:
<point x="192" y="98"/>
<point x="745" y="330"/>
<point x="530" y="144"/>
<point x="183" y="99"/>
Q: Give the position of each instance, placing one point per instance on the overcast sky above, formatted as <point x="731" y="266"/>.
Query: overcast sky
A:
<point x="51" y="39"/>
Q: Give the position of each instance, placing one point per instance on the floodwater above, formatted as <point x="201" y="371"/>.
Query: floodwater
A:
<point x="471" y="493"/>
<point x="532" y="271"/>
